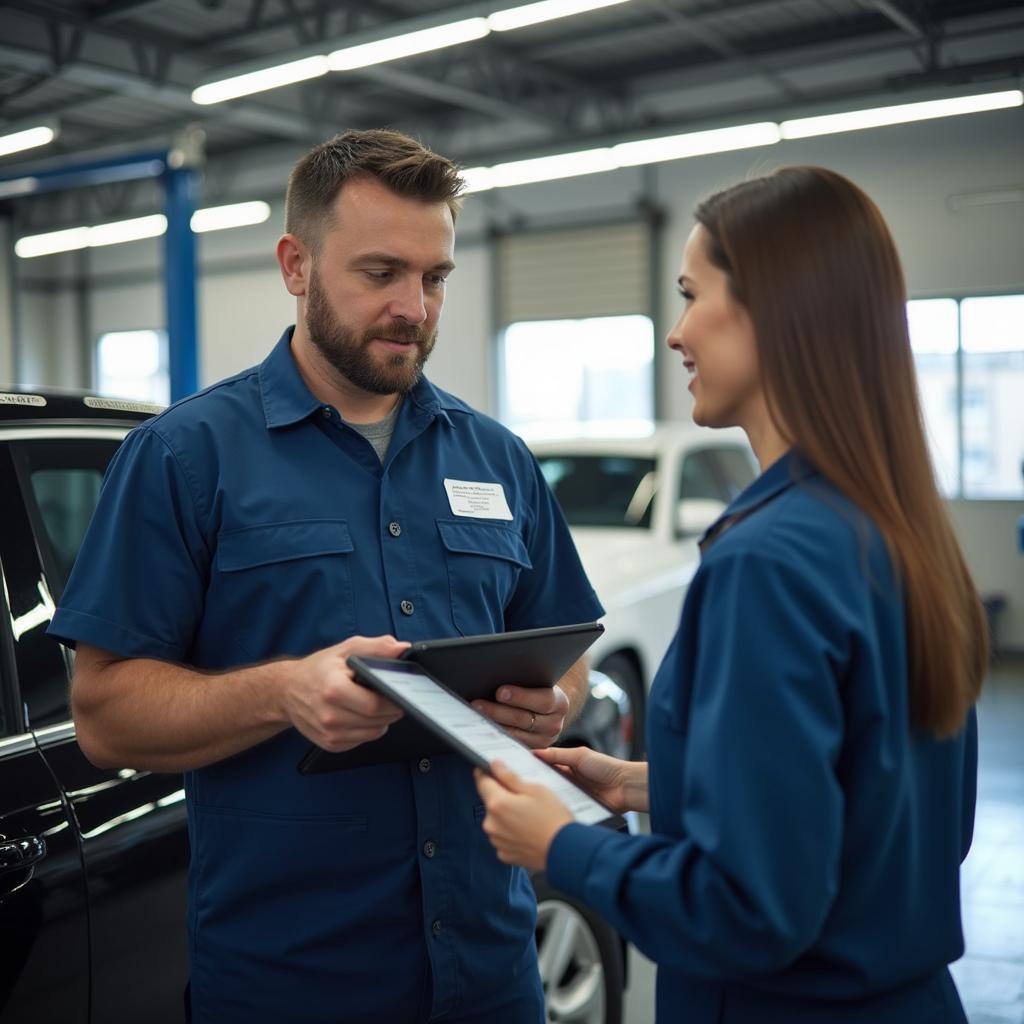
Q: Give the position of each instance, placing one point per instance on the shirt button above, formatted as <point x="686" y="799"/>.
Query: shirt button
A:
<point x="429" y="848"/>
<point x="325" y="412"/>
<point x="407" y="607"/>
<point x="395" y="529"/>
<point x="437" y="927"/>
<point x="424" y="765"/>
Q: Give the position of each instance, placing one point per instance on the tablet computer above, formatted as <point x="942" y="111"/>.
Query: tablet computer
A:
<point x="474" y="667"/>
<point x="449" y="717"/>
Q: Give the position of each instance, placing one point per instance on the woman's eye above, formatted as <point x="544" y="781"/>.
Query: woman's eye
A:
<point x="687" y="296"/>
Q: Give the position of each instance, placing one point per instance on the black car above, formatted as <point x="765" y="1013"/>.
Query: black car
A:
<point x="93" y="861"/>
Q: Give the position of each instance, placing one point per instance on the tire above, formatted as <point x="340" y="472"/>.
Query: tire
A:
<point x="621" y="669"/>
<point x="581" y="960"/>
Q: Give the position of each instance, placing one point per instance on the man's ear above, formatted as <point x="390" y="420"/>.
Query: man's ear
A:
<point x="295" y="261"/>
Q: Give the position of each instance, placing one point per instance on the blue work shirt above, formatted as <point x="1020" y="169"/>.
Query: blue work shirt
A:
<point x="803" y="862"/>
<point x="249" y="522"/>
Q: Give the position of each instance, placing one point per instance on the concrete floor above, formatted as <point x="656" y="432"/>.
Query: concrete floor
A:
<point x="991" y="974"/>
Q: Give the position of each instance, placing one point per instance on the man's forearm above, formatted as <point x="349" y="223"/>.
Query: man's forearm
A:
<point x="144" y="713"/>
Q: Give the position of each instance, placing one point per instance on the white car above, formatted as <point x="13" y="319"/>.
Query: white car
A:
<point x="636" y="507"/>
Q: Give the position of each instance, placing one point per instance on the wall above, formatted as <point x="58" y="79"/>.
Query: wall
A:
<point x="910" y="170"/>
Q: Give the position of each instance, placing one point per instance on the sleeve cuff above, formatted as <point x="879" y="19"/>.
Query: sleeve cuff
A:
<point x="70" y="627"/>
<point x="570" y="856"/>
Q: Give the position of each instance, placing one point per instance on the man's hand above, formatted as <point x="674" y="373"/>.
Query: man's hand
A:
<point x="325" y="703"/>
<point x="522" y="818"/>
<point x="535" y="716"/>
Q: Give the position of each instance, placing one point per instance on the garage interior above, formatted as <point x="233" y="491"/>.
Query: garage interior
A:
<point x="119" y="104"/>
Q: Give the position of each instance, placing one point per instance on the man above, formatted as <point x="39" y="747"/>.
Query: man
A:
<point x="274" y="521"/>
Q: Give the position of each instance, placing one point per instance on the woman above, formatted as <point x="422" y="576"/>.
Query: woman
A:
<point x="812" y="748"/>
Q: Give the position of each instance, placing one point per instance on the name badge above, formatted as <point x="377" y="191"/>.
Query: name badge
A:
<point x="477" y="500"/>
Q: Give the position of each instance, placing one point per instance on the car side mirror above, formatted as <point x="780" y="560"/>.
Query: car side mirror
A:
<point x="695" y="515"/>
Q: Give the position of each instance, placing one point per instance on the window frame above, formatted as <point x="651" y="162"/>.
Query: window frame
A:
<point x="959" y="390"/>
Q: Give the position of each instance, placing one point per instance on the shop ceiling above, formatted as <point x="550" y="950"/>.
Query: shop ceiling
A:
<point x="118" y="77"/>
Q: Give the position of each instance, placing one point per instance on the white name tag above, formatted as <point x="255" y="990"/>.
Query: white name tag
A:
<point x="477" y="500"/>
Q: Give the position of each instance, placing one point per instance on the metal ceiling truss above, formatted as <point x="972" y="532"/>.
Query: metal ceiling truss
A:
<point x="491" y="99"/>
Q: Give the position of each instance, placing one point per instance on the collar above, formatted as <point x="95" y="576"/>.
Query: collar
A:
<point x="782" y="474"/>
<point x="287" y="399"/>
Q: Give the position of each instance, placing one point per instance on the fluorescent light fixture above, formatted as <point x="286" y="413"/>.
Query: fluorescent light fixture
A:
<point x="477" y="179"/>
<point x="625" y="154"/>
<point x="127" y="230"/>
<point x="236" y="215"/>
<point x="546" y="10"/>
<point x="18" y="187"/>
<point x="408" y="44"/>
<point x="677" y="147"/>
<point x="27" y="139"/>
<point x="53" y="241"/>
<point x="212" y="218"/>
<point x="260" y="81"/>
<point x="827" y="124"/>
<point x="548" y="168"/>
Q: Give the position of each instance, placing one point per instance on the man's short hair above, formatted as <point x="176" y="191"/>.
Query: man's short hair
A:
<point x="397" y="161"/>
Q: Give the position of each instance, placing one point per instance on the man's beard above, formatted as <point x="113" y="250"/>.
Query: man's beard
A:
<point x="350" y="355"/>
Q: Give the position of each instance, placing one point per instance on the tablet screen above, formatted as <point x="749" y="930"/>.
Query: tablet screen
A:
<point x="479" y="735"/>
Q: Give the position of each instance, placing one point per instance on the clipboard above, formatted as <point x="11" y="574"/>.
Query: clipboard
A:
<point x="473" y="667"/>
<point x="461" y="727"/>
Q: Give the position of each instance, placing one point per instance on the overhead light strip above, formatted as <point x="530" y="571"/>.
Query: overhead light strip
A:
<point x="558" y="166"/>
<point x="406" y="44"/>
<point x="720" y="140"/>
<point x="903" y="113"/>
<point x="29" y="138"/>
<point x="211" y="218"/>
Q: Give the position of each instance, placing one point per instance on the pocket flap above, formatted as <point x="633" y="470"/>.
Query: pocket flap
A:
<point x="484" y="539"/>
<point x="281" y="542"/>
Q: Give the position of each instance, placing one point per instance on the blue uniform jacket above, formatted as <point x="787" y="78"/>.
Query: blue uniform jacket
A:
<point x="248" y="522"/>
<point x="803" y="862"/>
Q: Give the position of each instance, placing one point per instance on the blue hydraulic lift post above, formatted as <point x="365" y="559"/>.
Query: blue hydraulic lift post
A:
<point x="180" y="187"/>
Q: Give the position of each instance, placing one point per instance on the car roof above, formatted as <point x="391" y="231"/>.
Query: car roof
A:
<point x="35" y="405"/>
<point x="665" y="436"/>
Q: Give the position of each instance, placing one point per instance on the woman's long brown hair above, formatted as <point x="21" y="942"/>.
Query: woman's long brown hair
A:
<point x="810" y="257"/>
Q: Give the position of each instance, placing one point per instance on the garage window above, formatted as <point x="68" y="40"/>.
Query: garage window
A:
<point x="576" y="338"/>
<point x="970" y="367"/>
<point x="571" y="377"/>
<point x="133" y="364"/>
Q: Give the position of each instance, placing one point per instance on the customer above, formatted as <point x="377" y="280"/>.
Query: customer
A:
<point x="812" y="743"/>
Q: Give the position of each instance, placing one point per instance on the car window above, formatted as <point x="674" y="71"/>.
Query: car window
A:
<point x="58" y="481"/>
<point x="699" y="479"/>
<point x="602" y="490"/>
<point x="66" y="498"/>
<point x="737" y="468"/>
<point x="63" y="478"/>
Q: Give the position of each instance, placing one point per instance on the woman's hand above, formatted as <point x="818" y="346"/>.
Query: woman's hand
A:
<point x="522" y="817"/>
<point x="620" y="785"/>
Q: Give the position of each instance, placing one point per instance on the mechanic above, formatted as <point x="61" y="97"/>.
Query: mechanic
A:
<point x="329" y="501"/>
<point x="812" y="738"/>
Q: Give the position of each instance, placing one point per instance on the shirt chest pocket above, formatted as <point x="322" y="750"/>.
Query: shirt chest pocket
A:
<point x="484" y="563"/>
<point x="288" y="585"/>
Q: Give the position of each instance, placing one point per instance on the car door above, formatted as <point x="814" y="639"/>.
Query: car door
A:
<point x="132" y="823"/>
<point x="44" y="927"/>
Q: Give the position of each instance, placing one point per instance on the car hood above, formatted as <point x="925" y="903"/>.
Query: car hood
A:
<point x="623" y="565"/>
